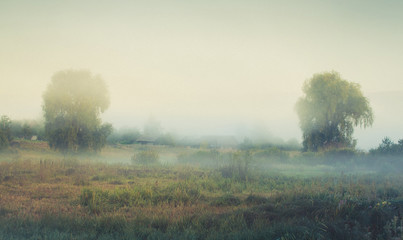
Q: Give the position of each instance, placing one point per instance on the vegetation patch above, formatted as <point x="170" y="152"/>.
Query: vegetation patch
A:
<point x="65" y="197"/>
<point x="226" y="200"/>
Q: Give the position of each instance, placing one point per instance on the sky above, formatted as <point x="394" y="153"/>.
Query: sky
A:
<point x="206" y="67"/>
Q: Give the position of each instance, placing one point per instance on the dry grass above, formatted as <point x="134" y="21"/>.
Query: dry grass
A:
<point x="42" y="189"/>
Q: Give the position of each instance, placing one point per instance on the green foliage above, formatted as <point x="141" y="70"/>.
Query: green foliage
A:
<point x="22" y="130"/>
<point x="238" y="165"/>
<point x="329" y="111"/>
<point x="5" y="131"/>
<point x="27" y="129"/>
<point x="99" y="136"/>
<point x="146" y="156"/>
<point x="72" y="104"/>
<point x="387" y="147"/>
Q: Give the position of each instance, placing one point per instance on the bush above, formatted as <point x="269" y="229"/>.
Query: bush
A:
<point x="238" y="166"/>
<point x="147" y="156"/>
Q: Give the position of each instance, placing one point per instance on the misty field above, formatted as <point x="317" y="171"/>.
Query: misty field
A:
<point x="193" y="193"/>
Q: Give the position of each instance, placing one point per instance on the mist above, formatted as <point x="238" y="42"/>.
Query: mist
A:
<point x="178" y="119"/>
<point x="205" y="68"/>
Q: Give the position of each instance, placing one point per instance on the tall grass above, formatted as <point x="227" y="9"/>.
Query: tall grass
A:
<point x="76" y="198"/>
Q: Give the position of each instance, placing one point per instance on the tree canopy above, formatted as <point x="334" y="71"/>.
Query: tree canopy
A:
<point x="388" y="148"/>
<point x="5" y="131"/>
<point x="330" y="110"/>
<point x="72" y="104"/>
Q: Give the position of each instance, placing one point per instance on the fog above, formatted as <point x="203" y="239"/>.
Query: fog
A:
<point x="205" y="67"/>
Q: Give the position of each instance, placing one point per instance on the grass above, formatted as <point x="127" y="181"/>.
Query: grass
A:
<point x="45" y="195"/>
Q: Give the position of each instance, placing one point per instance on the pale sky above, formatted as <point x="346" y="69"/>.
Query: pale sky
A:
<point x="206" y="67"/>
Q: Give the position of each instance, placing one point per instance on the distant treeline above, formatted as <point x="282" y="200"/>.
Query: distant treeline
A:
<point x="11" y="130"/>
<point x="133" y="135"/>
<point x="291" y="145"/>
<point x="387" y="147"/>
<point x="28" y="130"/>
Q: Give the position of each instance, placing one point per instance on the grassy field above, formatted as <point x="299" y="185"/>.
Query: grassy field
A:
<point x="192" y="194"/>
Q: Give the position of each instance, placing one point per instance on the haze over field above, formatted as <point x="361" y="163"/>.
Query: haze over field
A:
<point x="206" y="67"/>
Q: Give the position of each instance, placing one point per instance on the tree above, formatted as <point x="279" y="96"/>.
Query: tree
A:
<point x="330" y="110"/>
<point x="5" y="131"/>
<point x="26" y="131"/>
<point x="387" y="147"/>
<point x="72" y="104"/>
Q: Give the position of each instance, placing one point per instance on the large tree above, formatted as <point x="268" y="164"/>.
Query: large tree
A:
<point x="5" y="131"/>
<point x="72" y="104"/>
<point x="330" y="110"/>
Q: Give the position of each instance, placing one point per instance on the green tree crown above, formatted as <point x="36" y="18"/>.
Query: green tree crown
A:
<point x="330" y="110"/>
<point x="5" y="131"/>
<point x="72" y="104"/>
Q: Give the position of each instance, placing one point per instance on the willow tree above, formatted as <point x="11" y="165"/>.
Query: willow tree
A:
<point x="72" y="104"/>
<point x="330" y="110"/>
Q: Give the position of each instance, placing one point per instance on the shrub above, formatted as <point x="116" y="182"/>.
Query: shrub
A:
<point x="147" y="156"/>
<point x="238" y="165"/>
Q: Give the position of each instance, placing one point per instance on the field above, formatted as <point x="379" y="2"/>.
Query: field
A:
<point x="188" y="193"/>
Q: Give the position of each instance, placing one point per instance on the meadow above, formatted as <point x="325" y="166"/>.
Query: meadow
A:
<point x="159" y="192"/>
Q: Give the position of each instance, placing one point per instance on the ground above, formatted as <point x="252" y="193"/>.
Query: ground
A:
<point x="191" y="194"/>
